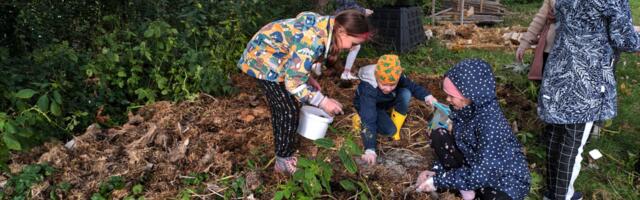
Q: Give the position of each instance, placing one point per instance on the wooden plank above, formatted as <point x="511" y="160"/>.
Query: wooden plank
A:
<point x="433" y="10"/>
<point x="462" y="13"/>
<point x="440" y="12"/>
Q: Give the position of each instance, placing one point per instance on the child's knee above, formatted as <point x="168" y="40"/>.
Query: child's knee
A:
<point x="440" y="134"/>
<point x="404" y="94"/>
<point x="388" y="131"/>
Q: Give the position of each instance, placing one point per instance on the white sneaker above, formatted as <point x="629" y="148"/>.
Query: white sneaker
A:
<point x="348" y="76"/>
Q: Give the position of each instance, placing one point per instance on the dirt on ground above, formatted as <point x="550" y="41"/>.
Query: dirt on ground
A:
<point x="164" y="142"/>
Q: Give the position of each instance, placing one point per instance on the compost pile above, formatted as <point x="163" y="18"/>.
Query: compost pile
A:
<point x="164" y="142"/>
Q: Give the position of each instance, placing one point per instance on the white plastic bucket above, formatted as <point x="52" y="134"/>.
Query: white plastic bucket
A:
<point x="314" y="122"/>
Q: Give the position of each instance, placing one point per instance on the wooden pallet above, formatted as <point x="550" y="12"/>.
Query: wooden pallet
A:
<point x="469" y="12"/>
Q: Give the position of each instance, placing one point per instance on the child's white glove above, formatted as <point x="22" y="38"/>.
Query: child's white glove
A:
<point x="430" y="100"/>
<point x="369" y="157"/>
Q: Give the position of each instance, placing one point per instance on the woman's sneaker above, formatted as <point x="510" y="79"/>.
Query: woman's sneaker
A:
<point x="286" y="165"/>
<point x="576" y="196"/>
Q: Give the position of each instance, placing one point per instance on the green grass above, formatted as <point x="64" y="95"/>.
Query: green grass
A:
<point x="520" y="14"/>
<point x="635" y="11"/>
<point x="619" y="142"/>
<point x="434" y="58"/>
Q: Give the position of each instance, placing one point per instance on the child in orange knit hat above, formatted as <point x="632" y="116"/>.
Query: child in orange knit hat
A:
<point x="382" y="101"/>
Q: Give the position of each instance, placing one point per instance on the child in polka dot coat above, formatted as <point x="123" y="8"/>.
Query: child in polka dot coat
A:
<point x="481" y="157"/>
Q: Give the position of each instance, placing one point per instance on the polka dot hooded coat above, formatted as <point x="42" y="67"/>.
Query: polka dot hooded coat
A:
<point x="492" y="155"/>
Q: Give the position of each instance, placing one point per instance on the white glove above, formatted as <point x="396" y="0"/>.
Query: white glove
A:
<point x="369" y="157"/>
<point x="430" y="100"/>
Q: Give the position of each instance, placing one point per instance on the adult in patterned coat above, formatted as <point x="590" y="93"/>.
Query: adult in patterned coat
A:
<point x="579" y="85"/>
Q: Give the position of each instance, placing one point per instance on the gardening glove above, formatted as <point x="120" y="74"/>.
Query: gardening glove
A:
<point x="369" y="157"/>
<point x="468" y="194"/>
<point x="430" y="100"/>
<point x="331" y="106"/>
<point x="286" y="165"/>
<point x="520" y="53"/>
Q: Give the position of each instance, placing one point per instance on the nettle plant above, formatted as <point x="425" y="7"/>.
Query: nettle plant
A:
<point x="313" y="176"/>
<point x="43" y="98"/>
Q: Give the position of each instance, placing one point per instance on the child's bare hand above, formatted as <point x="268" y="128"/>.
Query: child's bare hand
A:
<point x="331" y="106"/>
<point x="369" y="157"/>
<point x="314" y="83"/>
<point x="424" y="175"/>
<point x="426" y="185"/>
<point x="520" y="54"/>
<point x="368" y="12"/>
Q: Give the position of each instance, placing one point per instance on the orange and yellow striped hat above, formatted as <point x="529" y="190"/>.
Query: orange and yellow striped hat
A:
<point x="388" y="69"/>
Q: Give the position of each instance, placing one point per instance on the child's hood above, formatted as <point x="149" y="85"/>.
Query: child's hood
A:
<point x="368" y="74"/>
<point x="474" y="78"/>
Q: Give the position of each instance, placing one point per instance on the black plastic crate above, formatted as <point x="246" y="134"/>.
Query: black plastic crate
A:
<point x="398" y="29"/>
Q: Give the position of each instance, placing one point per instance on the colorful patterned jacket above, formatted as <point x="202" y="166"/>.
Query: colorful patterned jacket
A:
<point x="579" y="84"/>
<point x="284" y="51"/>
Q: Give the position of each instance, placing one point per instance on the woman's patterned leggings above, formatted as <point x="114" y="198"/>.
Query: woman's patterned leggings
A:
<point x="284" y="116"/>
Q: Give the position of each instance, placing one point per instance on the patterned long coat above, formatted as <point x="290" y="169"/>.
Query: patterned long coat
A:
<point x="578" y="83"/>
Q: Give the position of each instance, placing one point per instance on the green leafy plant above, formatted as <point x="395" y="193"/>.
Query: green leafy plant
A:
<point x="105" y="189"/>
<point x="194" y="183"/>
<point x="58" y="191"/>
<point x="136" y="193"/>
<point x="19" y="186"/>
<point x="38" y="99"/>
<point x="313" y="176"/>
